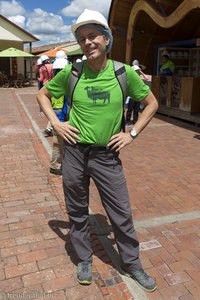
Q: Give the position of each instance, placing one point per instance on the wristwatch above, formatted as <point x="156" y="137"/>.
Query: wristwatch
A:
<point x="133" y="133"/>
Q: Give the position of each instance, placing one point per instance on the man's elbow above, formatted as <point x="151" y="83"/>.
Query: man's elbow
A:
<point x="156" y="106"/>
<point x="152" y="102"/>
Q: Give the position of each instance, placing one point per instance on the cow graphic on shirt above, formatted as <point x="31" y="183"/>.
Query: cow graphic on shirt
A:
<point x="95" y="94"/>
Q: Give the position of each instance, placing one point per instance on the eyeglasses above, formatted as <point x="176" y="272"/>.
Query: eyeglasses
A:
<point x="91" y="37"/>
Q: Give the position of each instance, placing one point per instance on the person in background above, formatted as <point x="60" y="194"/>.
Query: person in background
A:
<point x="37" y="75"/>
<point x="45" y="75"/>
<point x="46" y="71"/>
<point x="133" y="106"/>
<point x="136" y="63"/>
<point x="167" y="66"/>
<point x="93" y="139"/>
<point x="166" y="69"/>
<point x="143" y="76"/>
<point x="81" y="59"/>
<point x="37" y="72"/>
<point x="60" y="108"/>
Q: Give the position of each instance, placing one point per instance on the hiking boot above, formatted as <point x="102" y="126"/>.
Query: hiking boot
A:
<point x="84" y="273"/>
<point x="55" y="171"/>
<point x="48" y="132"/>
<point x="145" y="281"/>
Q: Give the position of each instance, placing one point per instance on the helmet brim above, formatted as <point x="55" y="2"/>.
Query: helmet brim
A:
<point x="74" y="27"/>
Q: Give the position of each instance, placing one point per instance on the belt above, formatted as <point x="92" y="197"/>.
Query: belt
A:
<point x="89" y="149"/>
<point x="86" y="148"/>
<point x="92" y="146"/>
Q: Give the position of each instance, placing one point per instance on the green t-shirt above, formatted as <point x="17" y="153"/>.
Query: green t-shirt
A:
<point x="97" y="105"/>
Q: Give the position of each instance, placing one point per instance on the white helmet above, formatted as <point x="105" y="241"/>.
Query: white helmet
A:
<point x="44" y="57"/>
<point x="89" y="17"/>
<point x="60" y="63"/>
<point x="84" y="57"/>
<point x="39" y="62"/>
<point x="135" y="62"/>
<point x="60" y="54"/>
<point x="78" y="60"/>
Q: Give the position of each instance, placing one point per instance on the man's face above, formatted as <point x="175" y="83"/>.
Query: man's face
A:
<point x="92" y="42"/>
<point x="164" y="59"/>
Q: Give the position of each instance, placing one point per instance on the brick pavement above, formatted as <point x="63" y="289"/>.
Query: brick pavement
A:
<point x="163" y="178"/>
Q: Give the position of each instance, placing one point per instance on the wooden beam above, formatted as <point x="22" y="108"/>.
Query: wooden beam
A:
<point x="165" y="22"/>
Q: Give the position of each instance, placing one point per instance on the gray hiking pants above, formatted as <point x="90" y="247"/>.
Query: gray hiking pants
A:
<point x="80" y="163"/>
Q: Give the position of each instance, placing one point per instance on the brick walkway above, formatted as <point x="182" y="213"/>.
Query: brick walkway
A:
<point x="37" y="259"/>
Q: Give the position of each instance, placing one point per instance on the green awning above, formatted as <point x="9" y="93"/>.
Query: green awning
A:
<point x="13" y="52"/>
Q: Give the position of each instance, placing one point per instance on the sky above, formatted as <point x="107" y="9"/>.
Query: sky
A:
<point x="49" y="20"/>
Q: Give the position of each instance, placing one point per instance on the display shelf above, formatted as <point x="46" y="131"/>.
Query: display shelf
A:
<point x="186" y="60"/>
<point x="194" y="62"/>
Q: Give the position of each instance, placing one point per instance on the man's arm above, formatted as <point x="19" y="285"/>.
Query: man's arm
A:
<point x="65" y="130"/>
<point x="151" y="106"/>
<point x="122" y="139"/>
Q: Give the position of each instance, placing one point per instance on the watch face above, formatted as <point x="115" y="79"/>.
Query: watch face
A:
<point x="133" y="133"/>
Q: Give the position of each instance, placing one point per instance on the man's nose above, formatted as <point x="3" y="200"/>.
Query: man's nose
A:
<point x="87" y="40"/>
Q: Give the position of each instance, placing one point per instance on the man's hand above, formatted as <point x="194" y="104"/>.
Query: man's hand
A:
<point x="120" y="140"/>
<point x="67" y="131"/>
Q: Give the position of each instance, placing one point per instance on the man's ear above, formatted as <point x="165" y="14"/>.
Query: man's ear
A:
<point x="107" y="40"/>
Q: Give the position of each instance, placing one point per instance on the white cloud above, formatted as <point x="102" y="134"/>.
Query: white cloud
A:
<point x="52" y="39"/>
<point x="10" y="9"/>
<point x="50" y="27"/>
<point x="18" y="20"/>
<point x="13" y="11"/>
<point x="47" y="23"/>
<point x="76" y="7"/>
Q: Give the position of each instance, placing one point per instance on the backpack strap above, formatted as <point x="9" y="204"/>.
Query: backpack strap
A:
<point x="73" y="79"/>
<point x="120" y="73"/>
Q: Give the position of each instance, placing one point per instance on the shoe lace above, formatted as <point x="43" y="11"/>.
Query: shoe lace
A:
<point x="85" y="268"/>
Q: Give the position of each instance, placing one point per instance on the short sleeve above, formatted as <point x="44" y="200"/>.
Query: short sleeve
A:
<point x="58" y="86"/>
<point x="136" y="88"/>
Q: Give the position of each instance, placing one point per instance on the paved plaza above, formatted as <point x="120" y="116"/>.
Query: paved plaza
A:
<point x="162" y="168"/>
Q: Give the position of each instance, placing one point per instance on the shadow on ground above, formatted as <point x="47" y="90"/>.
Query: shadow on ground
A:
<point x="178" y="122"/>
<point x="98" y="227"/>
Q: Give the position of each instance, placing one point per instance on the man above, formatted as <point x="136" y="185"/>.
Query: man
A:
<point x="167" y="66"/>
<point x="38" y="65"/>
<point x="46" y="71"/>
<point x="45" y="75"/>
<point x="93" y="139"/>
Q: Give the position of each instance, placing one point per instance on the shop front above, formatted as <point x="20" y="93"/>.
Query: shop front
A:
<point x="146" y="29"/>
<point x="179" y="94"/>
